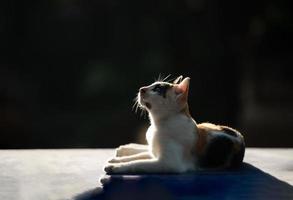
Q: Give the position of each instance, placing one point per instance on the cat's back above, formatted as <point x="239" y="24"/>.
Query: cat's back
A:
<point x="218" y="146"/>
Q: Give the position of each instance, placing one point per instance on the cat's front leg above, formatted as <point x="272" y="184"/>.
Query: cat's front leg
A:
<point x="138" y="156"/>
<point x="142" y="166"/>
<point x="130" y="149"/>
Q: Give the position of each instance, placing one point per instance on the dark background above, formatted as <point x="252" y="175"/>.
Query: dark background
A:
<point x="69" y="70"/>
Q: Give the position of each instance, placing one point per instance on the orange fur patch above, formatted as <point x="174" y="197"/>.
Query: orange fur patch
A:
<point x="202" y="140"/>
<point x="203" y="130"/>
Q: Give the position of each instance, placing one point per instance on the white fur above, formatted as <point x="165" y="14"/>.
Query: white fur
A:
<point x="170" y="146"/>
<point x="171" y="137"/>
<point x="171" y="142"/>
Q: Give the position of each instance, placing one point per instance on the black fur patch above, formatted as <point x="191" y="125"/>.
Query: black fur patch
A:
<point x="238" y="157"/>
<point x="229" y="131"/>
<point x="217" y="153"/>
<point x="161" y="88"/>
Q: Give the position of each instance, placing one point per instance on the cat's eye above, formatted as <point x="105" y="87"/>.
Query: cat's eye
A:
<point x="161" y="89"/>
<point x="157" y="89"/>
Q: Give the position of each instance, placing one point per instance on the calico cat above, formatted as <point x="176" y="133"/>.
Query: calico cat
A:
<point x="176" y="143"/>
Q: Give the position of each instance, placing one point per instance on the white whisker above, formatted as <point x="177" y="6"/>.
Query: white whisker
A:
<point x="159" y="78"/>
<point x="166" y="78"/>
<point x="135" y="103"/>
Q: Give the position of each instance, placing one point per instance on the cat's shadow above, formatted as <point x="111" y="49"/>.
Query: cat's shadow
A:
<point x="248" y="182"/>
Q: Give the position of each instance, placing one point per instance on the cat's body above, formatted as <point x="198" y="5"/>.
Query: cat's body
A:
<point x="176" y="143"/>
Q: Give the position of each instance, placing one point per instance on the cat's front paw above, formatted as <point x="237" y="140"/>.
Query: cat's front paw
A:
<point x="109" y="169"/>
<point x="115" y="169"/>
<point x="105" y="179"/>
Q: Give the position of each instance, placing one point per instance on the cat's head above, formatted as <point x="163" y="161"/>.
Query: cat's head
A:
<point x="162" y="99"/>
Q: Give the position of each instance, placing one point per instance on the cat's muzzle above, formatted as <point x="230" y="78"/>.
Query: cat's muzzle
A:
<point x="141" y="100"/>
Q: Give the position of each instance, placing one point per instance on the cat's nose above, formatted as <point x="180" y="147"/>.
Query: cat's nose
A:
<point x="142" y="90"/>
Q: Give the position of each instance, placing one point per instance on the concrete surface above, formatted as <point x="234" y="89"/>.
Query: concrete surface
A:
<point x="63" y="174"/>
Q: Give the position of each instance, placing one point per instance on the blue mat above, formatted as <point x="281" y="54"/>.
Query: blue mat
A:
<point x="248" y="182"/>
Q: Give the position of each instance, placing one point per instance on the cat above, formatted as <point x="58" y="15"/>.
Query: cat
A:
<point x="176" y="143"/>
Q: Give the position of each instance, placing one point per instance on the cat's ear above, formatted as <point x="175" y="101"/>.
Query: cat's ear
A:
<point x="181" y="89"/>
<point x="178" y="79"/>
